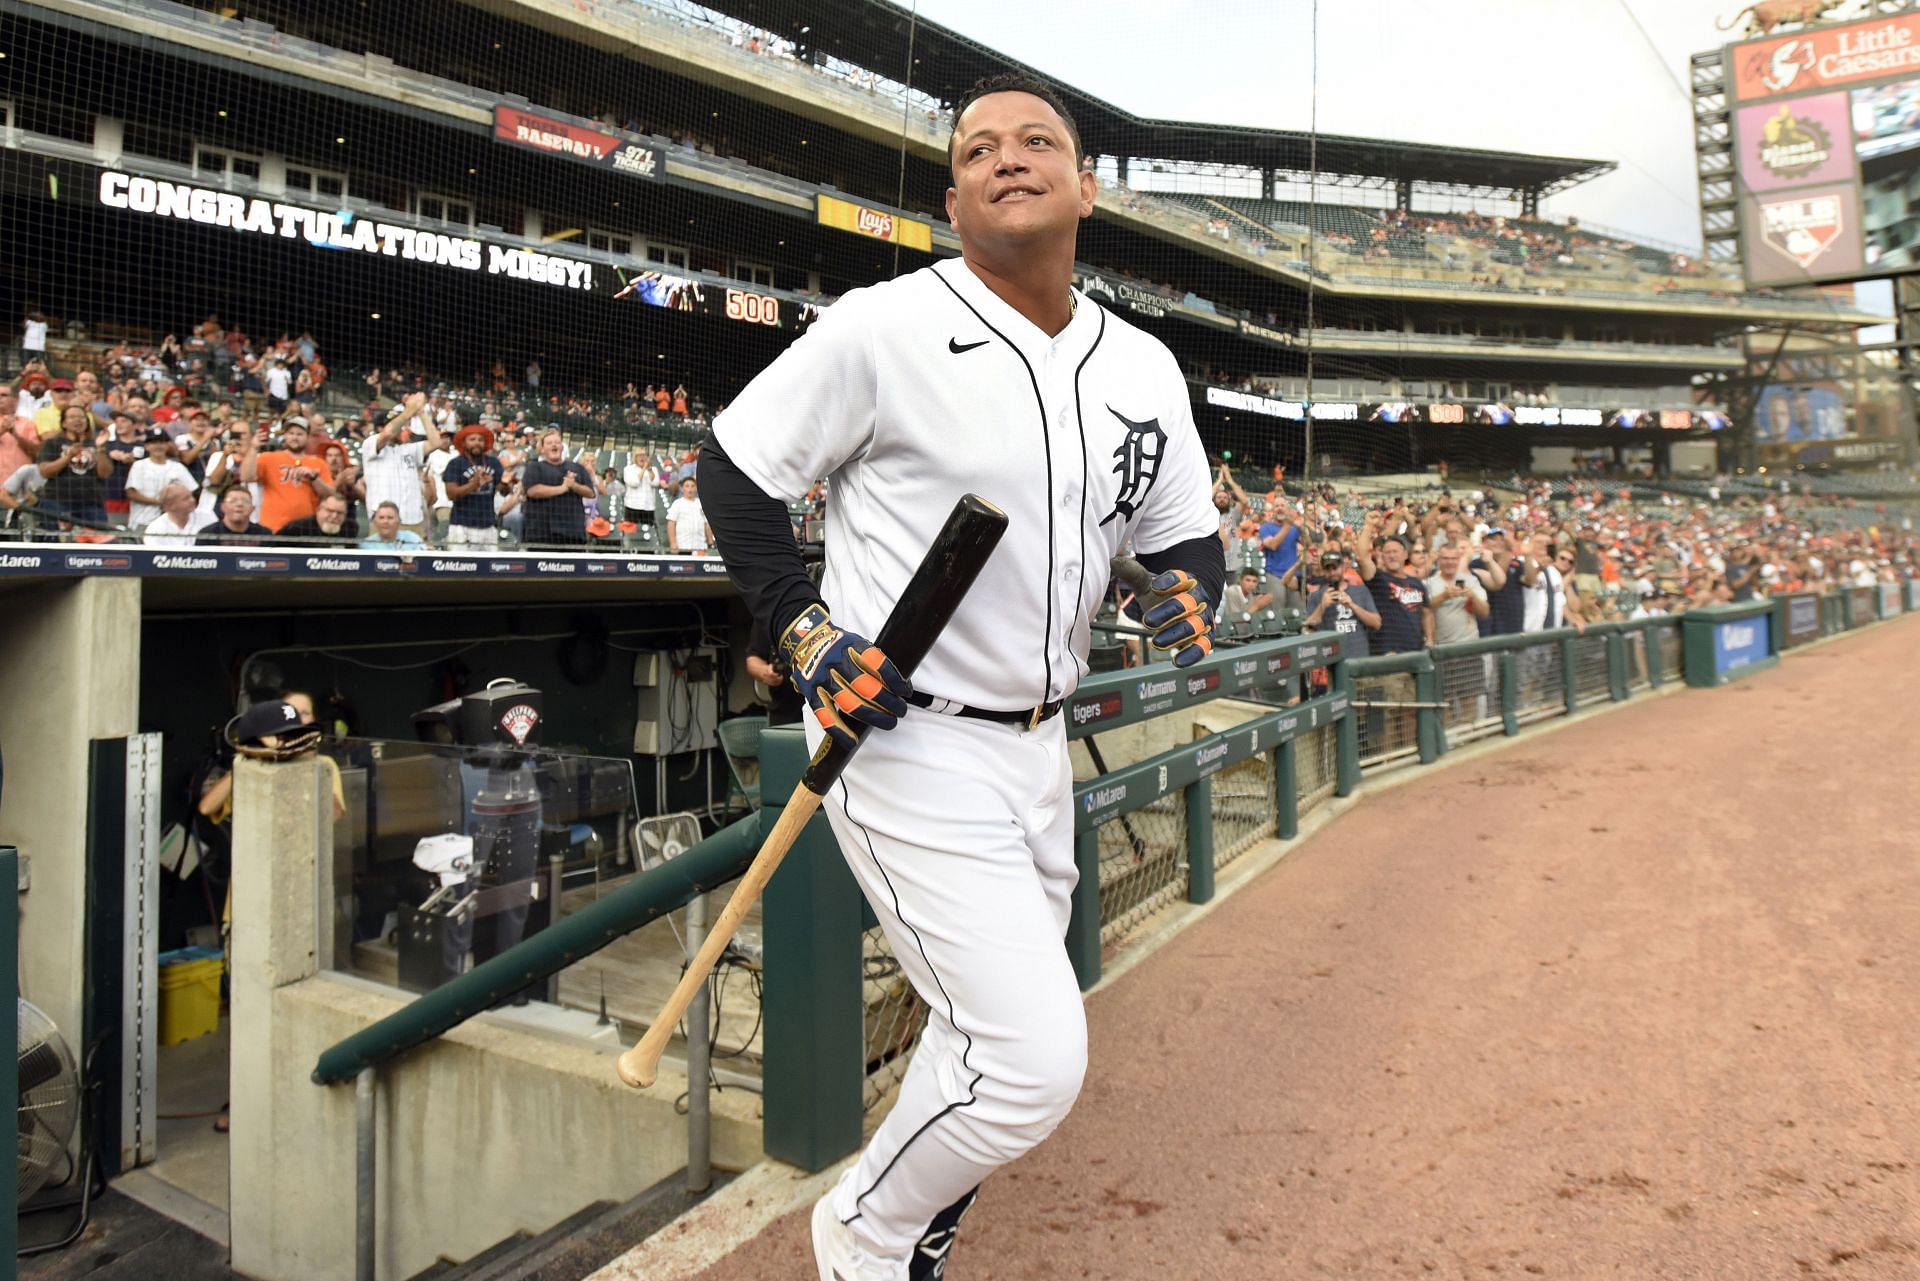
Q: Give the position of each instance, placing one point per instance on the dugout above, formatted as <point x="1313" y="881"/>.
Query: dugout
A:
<point x="141" y="661"/>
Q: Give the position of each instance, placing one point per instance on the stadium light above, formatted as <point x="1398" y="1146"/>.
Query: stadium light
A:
<point x="373" y="315"/>
<point x="340" y="142"/>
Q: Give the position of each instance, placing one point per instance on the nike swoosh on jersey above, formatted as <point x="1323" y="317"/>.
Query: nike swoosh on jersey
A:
<point x="955" y="346"/>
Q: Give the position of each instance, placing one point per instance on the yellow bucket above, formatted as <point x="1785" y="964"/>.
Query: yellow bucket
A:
<point x="190" y="995"/>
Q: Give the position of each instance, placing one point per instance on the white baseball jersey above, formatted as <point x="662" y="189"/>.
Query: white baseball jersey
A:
<point x="393" y="476"/>
<point x="911" y="393"/>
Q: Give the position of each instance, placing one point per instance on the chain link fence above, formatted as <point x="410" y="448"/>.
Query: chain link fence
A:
<point x="892" y="1017"/>
<point x="1592" y="683"/>
<point x="1387" y="719"/>
<point x="1143" y="863"/>
<point x="1469" y="697"/>
<point x="1316" y="767"/>
<point x="1672" y="662"/>
<point x="1639" y="675"/>
<point x="1541" y="690"/>
<point x="1243" y="808"/>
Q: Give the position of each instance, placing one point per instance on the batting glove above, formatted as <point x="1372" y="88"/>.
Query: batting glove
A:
<point x="845" y="680"/>
<point x="1180" y="617"/>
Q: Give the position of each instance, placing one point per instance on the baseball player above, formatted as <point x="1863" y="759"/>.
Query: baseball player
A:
<point x="988" y="374"/>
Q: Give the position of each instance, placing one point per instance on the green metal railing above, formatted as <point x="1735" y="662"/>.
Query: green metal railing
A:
<point x="1161" y="814"/>
<point x="1449" y="695"/>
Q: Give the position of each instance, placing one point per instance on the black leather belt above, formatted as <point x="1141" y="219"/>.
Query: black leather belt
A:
<point x="1026" y="718"/>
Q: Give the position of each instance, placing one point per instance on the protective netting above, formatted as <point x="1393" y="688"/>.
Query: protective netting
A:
<point x="1540" y="682"/>
<point x="1672" y="661"/>
<point x="1143" y="863"/>
<point x="608" y="215"/>
<point x="1316" y="766"/>
<point x="1386" y="714"/>
<point x="1243" y="808"/>
<point x="1592" y="683"/>
<point x="1469" y="696"/>
<point x="892" y="1018"/>
<point x="1639" y="675"/>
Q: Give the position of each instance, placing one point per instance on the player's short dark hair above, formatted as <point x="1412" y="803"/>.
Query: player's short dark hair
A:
<point x="1014" y="82"/>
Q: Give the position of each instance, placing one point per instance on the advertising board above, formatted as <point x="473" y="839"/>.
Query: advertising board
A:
<point x="70" y="560"/>
<point x="1826" y="127"/>
<point x="880" y="224"/>
<point x="1740" y="644"/>
<point x="1458" y="414"/>
<point x="1802" y="619"/>
<point x="576" y="140"/>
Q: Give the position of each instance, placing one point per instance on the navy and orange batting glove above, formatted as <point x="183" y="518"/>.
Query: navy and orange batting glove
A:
<point x="844" y="679"/>
<point x="1180" y="617"/>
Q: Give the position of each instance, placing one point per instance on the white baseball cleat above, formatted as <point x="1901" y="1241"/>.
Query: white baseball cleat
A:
<point x="838" y="1256"/>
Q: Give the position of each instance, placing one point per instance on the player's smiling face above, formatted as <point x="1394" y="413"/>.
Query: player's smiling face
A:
<point x="1014" y="171"/>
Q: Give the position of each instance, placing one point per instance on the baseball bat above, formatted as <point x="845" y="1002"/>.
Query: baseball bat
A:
<point x="958" y="554"/>
<point x="1135" y="577"/>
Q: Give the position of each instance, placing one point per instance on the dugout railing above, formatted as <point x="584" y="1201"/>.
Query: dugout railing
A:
<point x="1149" y="833"/>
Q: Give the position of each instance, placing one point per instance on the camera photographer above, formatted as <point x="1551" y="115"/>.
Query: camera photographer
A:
<point x="783" y="700"/>
<point x="1341" y="603"/>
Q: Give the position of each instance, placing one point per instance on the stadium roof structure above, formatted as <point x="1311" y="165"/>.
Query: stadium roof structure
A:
<point x="875" y="34"/>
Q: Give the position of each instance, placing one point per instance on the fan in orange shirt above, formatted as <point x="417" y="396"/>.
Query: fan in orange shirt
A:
<point x="292" y="481"/>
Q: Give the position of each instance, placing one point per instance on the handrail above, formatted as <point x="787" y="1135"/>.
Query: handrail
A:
<point x="1108" y="700"/>
<point x="1107" y="796"/>
<point x="1416" y="661"/>
<point x="719" y="858"/>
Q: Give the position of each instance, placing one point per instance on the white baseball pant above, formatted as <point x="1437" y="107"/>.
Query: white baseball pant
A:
<point x="960" y="833"/>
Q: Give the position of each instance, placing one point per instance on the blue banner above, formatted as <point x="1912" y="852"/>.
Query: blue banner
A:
<point x="1740" y="644"/>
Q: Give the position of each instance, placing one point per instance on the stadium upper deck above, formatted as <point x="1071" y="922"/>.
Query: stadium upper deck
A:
<point x="393" y="112"/>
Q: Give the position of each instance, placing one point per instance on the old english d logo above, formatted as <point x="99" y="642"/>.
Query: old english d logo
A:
<point x="1137" y="461"/>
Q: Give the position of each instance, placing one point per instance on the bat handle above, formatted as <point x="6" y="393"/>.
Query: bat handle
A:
<point x="1133" y="575"/>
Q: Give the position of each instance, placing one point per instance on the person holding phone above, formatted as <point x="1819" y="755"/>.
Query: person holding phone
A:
<point x="1456" y="598"/>
<point x="1341" y="603"/>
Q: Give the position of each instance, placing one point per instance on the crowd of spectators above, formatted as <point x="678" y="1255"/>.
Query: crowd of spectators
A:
<point x="217" y="439"/>
<point x="1399" y="575"/>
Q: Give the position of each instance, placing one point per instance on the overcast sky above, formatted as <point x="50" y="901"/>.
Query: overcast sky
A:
<point x="1554" y="77"/>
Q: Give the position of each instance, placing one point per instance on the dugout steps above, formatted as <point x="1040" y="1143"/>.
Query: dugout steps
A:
<point x="582" y="1242"/>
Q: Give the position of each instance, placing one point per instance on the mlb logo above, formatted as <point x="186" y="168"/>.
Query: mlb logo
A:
<point x="1803" y="229"/>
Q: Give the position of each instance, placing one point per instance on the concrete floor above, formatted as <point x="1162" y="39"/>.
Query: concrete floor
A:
<point x="190" y="1156"/>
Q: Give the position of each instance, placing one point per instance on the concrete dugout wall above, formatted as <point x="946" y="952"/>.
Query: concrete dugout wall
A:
<point x="74" y="646"/>
<point x="489" y="1129"/>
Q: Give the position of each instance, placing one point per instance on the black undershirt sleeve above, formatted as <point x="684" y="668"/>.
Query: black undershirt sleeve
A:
<point x="756" y="540"/>
<point x="1203" y="557"/>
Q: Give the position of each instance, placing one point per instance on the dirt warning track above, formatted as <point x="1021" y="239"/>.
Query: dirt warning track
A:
<point x="1637" y="999"/>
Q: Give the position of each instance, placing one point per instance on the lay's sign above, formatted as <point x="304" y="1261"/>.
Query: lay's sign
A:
<point x="878" y="223"/>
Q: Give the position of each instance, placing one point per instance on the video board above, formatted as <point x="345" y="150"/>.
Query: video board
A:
<point x="1826" y="128"/>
